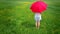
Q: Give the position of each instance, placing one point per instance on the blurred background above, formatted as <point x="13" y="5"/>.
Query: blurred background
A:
<point x="17" y="18"/>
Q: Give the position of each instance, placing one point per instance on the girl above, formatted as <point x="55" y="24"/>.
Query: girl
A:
<point x="38" y="7"/>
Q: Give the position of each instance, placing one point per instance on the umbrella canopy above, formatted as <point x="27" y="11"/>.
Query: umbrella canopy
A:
<point x="38" y="7"/>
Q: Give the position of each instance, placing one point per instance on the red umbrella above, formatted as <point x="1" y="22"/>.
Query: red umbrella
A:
<point x="38" y="7"/>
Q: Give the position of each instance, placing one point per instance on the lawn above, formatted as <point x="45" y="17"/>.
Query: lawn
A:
<point x="17" y="18"/>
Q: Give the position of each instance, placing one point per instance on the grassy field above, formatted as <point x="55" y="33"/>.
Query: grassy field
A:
<point x="17" y="18"/>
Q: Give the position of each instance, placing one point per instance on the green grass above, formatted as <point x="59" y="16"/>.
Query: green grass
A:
<point x="17" y="18"/>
